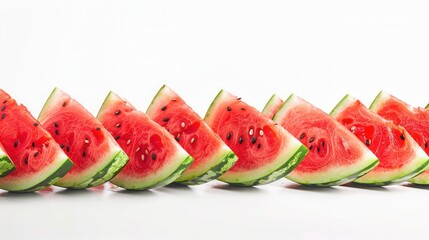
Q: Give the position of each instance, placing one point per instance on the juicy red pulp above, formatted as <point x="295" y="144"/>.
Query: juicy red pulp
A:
<point x="147" y="147"/>
<point x="28" y="145"/>
<point x="316" y="145"/>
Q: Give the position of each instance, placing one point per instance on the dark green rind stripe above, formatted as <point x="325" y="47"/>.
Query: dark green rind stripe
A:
<point x="346" y="179"/>
<point x="6" y="166"/>
<point x="59" y="173"/>
<point x="218" y="170"/>
<point x="281" y="172"/>
<point x="171" y="178"/>
<point x="111" y="170"/>
<point x="405" y="178"/>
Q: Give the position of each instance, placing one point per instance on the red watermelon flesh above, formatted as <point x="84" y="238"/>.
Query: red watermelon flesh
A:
<point x="96" y="155"/>
<point x="156" y="159"/>
<point x="266" y="152"/>
<point x="400" y="156"/>
<point x="336" y="156"/>
<point x="272" y="107"/>
<point x="414" y="120"/>
<point x="212" y="157"/>
<point x="38" y="159"/>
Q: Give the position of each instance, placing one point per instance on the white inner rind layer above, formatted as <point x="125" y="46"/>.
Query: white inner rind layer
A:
<point x="24" y="182"/>
<point x="75" y="180"/>
<point x="415" y="166"/>
<point x="290" y="143"/>
<point x="334" y="173"/>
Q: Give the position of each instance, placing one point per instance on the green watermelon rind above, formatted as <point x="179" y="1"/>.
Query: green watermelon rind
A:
<point x="159" y="182"/>
<point x="6" y="166"/>
<point x="337" y="175"/>
<point x="102" y="171"/>
<point x="268" y="107"/>
<point x="228" y="159"/>
<point x="220" y="162"/>
<point x="107" y="173"/>
<point x="62" y="164"/>
<point x="293" y="154"/>
<point x="417" y="165"/>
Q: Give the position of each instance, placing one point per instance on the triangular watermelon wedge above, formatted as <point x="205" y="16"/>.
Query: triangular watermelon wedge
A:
<point x="400" y="156"/>
<point x="266" y="152"/>
<point x="156" y="159"/>
<point x="96" y="155"/>
<point x="38" y="159"/>
<point x="414" y="120"/>
<point x="336" y="156"/>
<point x="212" y="157"/>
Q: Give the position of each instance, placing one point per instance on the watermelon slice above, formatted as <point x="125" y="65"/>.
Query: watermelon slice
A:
<point x="272" y="107"/>
<point x="266" y="152"/>
<point x="38" y="159"/>
<point x="414" y="120"/>
<point x="97" y="157"/>
<point x="400" y="156"/>
<point x="6" y="165"/>
<point x="156" y="158"/>
<point x="336" y="156"/>
<point x="212" y="157"/>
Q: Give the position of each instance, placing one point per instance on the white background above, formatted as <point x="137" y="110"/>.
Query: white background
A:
<point x="320" y="50"/>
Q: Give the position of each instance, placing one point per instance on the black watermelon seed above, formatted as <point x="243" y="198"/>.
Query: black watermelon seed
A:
<point x="311" y="140"/>
<point x="118" y="112"/>
<point x="311" y="147"/>
<point x="318" y="149"/>
<point x="228" y="109"/>
<point x="68" y="148"/>
<point x="3" y="108"/>
<point x="5" y="101"/>
<point x="84" y="154"/>
<point x="239" y="98"/>
<point x="36" y="154"/>
<point x="3" y="116"/>
<point x="163" y="108"/>
<point x="240" y="140"/>
<point x="15" y="144"/>
<point x="118" y="125"/>
<point x="35" y="124"/>
<point x="64" y="104"/>
<point x="243" y="108"/>
<point x="402" y="137"/>
<point x="33" y="144"/>
<point x="165" y="119"/>
<point x="253" y="140"/>
<point x="98" y="128"/>
<point x="177" y="138"/>
<point x="57" y="132"/>
<point x="117" y="137"/>
<point x="368" y="142"/>
<point x="302" y="136"/>
<point x="62" y="146"/>
<point x="153" y="156"/>
<point x="259" y="145"/>
<point x="426" y="144"/>
<point x="323" y="143"/>
<point x="26" y="160"/>
<point x="228" y="136"/>
<point x="55" y="124"/>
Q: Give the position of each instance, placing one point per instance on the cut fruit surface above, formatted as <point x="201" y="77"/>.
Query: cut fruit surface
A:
<point x="266" y="152"/>
<point x="97" y="157"/>
<point x="212" y="157"/>
<point x="39" y="161"/>
<point x="414" y="120"/>
<point x="156" y="159"/>
<point x="336" y="156"/>
<point x="400" y="156"/>
<point x="272" y="107"/>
